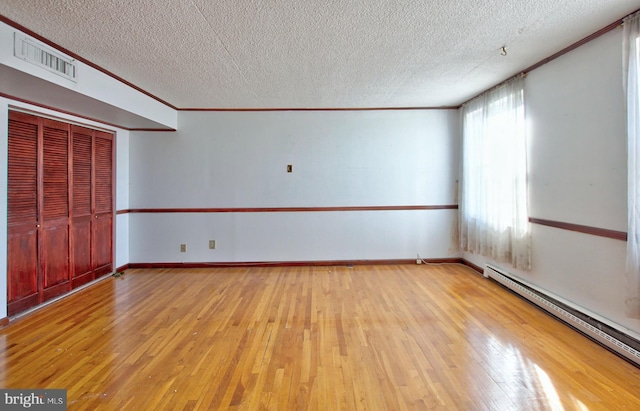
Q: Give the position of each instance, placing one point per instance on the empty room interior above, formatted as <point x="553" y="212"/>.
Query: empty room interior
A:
<point x="338" y="205"/>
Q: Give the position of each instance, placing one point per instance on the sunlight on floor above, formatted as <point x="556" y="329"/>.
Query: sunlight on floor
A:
<point x="521" y="379"/>
<point x="553" y="401"/>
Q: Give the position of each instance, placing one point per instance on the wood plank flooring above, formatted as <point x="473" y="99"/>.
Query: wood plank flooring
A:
<point x="397" y="337"/>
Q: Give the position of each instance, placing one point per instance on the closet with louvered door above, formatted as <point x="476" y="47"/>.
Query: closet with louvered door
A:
<point x="59" y="229"/>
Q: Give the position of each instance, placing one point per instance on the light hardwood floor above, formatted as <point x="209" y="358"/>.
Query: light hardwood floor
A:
<point x="319" y="338"/>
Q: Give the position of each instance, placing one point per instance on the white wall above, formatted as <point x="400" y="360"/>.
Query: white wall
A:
<point x="577" y="174"/>
<point x="121" y="245"/>
<point x="339" y="158"/>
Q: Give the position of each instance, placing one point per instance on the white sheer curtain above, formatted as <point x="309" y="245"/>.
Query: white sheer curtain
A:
<point x="493" y="207"/>
<point x="631" y="62"/>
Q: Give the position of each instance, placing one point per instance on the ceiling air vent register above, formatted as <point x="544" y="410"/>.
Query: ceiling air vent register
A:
<point x="34" y="52"/>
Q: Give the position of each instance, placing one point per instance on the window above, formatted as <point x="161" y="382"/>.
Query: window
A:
<point x="493" y="208"/>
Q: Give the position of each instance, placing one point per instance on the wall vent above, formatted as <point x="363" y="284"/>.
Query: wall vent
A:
<point x="34" y="52"/>
<point x="613" y="339"/>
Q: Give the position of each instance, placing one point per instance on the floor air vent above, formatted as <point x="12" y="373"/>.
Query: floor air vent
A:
<point x="613" y="339"/>
<point x="34" y="52"/>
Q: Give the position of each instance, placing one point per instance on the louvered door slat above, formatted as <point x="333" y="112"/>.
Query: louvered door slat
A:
<point x="23" y="173"/>
<point x="81" y="138"/>
<point x="103" y="173"/>
<point x="55" y="174"/>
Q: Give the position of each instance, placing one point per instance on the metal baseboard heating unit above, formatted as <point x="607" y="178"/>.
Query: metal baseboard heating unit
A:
<point x="613" y="339"/>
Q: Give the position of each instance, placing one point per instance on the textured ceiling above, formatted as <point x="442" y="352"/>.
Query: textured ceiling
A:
<point x="314" y="54"/>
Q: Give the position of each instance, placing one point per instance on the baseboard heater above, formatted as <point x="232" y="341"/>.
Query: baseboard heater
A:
<point x="615" y="340"/>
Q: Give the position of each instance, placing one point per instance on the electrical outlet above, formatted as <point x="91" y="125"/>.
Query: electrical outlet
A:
<point x="183" y="248"/>
<point x="289" y="168"/>
<point x="212" y="244"/>
<point x="418" y="261"/>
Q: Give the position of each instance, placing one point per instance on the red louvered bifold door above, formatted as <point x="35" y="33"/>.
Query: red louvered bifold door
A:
<point x="81" y="222"/>
<point x="23" y="217"/>
<point x="54" y="214"/>
<point x="103" y="203"/>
